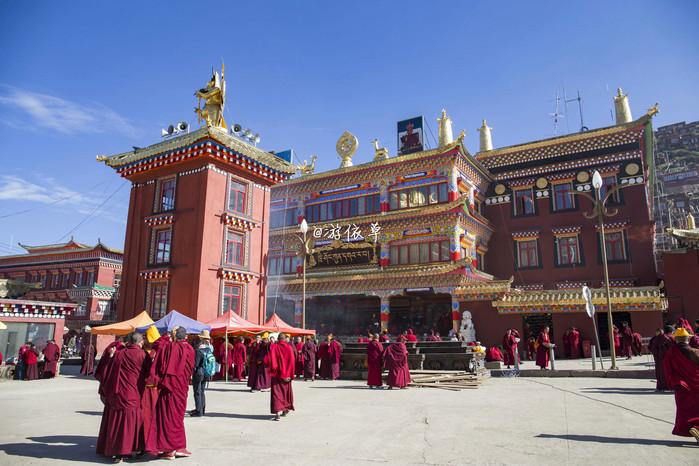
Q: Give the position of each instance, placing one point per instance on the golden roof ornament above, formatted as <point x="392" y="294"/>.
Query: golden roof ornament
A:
<point x="621" y="107"/>
<point x="307" y="168"/>
<point x="214" y="96"/>
<point x="380" y="153"/>
<point x="486" y="139"/>
<point x="346" y="147"/>
<point x="446" y="136"/>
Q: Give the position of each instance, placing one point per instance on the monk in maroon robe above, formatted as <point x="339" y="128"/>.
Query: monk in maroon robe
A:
<point x="374" y="362"/>
<point x="87" y="356"/>
<point x="509" y="345"/>
<point x="384" y="338"/>
<point x="282" y="362"/>
<point x="637" y="344"/>
<point x="542" y="349"/>
<point x="410" y="336"/>
<point x="681" y="366"/>
<point x="626" y="340"/>
<point x="334" y="357"/>
<point x="252" y="362"/>
<point x="298" y="346"/>
<point x="574" y="343"/>
<point x="322" y="356"/>
<point x="52" y="354"/>
<point x="617" y="341"/>
<point x="659" y="346"/>
<point x="224" y="357"/>
<point x="261" y="380"/>
<point x="566" y="344"/>
<point x="30" y="363"/>
<point x="396" y="362"/>
<point x="308" y="352"/>
<point x="174" y="371"/>
<point x="121" y="434"/>
<point x="149" y="399"/>
<point x="240" y="354"/>
<point x="494" y="354"/>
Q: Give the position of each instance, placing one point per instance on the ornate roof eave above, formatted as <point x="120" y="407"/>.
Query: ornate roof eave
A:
<point x="217" y="134"/>
<point x="483" y="155"/>
<point x="37" y="251"/>
<point x="687" y="238"/>
<point x="650" y="295"/>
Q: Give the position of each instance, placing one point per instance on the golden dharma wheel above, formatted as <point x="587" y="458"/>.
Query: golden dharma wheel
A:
<point x="542" y="182"/>
<point x="583" y="177"/>
<point x="500" y="189"/>
<point x="632" y="169"/>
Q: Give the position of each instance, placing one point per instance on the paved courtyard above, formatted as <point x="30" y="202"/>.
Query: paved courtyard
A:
<point x="506" y="421"/>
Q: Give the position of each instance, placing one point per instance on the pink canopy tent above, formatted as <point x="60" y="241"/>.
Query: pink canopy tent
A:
<point x="231" y="323"/>
<point x="279" y="325"/>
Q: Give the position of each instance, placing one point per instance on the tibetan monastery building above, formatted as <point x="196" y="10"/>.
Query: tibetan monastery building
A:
<point x="444" y="239"/>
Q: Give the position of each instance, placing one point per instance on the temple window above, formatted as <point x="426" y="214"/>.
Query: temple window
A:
<point x="283" y="218"/>
<point x="90" y="278"/>
<point x="563" y="198"/>
<point x="162" y="245"/>
<point x="281" y="265"/>
<point x="235" y="254"/>
<point x="166" y="194"/>
<point x="418" y="196"/>
<point x="157" y="299"/>
<point x="237" y="196"/>
<point x="344" y="208"/>
<point x="420" y="253"/>
<point x="615" y="245"/>
<point x="64" y="279"/>
<point x="54" y="280"/>
<point x="568" y="250"/>
<point x="78" y="278"/>
<point x="527" y="253"/>
<point x="480" y="261"/>
<point x="523" y="202"/>
<point x="609" y="182"/>
<point x="231" y="298"/>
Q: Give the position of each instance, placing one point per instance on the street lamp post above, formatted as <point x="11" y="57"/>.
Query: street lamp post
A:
<point x="599" y="211"/>
<point x="304" y="229"/>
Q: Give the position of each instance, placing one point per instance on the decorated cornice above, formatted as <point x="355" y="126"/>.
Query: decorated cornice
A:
<point x="235" y="275"/>
<point x="235" y="221"/>
<point x="35" y="309"/>
<point x="42" y="255"/>
<point x="159" y="219"/>
<point x="155" y="274"/>
<point x="686" y="238"/>
<point x="95" y="291"/>
<point x="618" y="225"/>
<point x="648" y="298"/>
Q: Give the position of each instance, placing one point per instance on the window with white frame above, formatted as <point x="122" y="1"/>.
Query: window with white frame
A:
<point x="568" y="250"/>
<point x="527" y="253"/>
<point x="231" y="298"/>
<point x="237" y="196"/>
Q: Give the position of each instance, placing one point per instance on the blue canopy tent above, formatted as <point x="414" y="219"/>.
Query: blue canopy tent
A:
<point x="174" y="319"/>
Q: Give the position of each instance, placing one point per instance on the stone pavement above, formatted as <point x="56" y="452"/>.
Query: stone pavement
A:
<point x="505" y="421"/>
<point x="638" y="367"/>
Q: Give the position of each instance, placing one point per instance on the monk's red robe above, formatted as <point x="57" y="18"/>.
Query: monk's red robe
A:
<point x="261" y="381"/>
<point x="240" y="354"/>
<point x="374" y="363"/>
<point x="334" y="358"/>
<point x="30" y="364"/>
<point x="309" y="360"/>
<point x="298" y="372"/>
<point x="383" y="338"/>
<point x="410" y="336"/>
<point x="396" y="361"/>
<point x="224" y="357"/>
<point x="627" y="341"/>
<point x="174" y="371"/>
<point x="282" y="366"/>
<point x="509" y="343"/>
<point x="566" y="344"/>
<point x="542" y="351"/>
<point x="149" y="399"/>
<point x="121" y="430"/>
<point x="322" y="356"/>
<point x="574" y="344"/>
<point x="659" y="346"/>
<point x="681" y="366"/>
<point x="52" y="354"/>
<point x="87" y="357"/>
<point x="105" y="360"/>
<point x="493" y="354"/>
<point x="252" y="364"/>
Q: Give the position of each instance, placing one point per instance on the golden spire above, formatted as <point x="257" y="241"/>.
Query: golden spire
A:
<point x="446" y="136"/>
<point x="214" y="96"/>
<point x="486" y="138"/>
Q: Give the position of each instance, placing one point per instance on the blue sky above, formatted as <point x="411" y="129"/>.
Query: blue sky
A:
<point x="82" y="78"/>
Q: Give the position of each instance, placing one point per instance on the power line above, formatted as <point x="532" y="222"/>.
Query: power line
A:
<point x="89" y="216"/>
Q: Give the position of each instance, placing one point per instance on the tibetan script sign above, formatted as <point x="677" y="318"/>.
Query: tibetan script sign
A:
<point x="339" y="254"/>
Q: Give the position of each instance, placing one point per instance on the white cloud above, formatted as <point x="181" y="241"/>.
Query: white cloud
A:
<point x="64" y="116"/>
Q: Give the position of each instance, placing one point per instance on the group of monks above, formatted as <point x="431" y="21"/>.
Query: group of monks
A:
<point x="252" y="360"/>
<point x="144" y="392"/>
<point x="27" y="367"/>
<point x="393" y="358"/>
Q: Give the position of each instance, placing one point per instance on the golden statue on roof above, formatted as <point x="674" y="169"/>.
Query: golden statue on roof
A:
<point x="214" y="96"/>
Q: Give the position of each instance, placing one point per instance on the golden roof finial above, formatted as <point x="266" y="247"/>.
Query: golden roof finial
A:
<point x="214" y="96"/>
<point x="380" y="153"/>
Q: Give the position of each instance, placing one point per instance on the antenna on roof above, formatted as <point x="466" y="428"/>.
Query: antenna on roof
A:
<point x="583" y="128"/>
<point x="556" y="115"/>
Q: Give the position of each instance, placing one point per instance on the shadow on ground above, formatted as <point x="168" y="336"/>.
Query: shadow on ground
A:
<point x="620" y="440"/>
<point x="255" y="417"/>
<point x="90" y="413"/>
<point x="624" y="391"/>
<point x="57" y="447"/>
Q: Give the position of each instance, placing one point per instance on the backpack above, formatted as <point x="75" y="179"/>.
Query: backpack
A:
<point x="208" y="362"/>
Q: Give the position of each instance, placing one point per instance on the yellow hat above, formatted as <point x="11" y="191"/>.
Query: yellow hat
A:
<point x="265" y="335"/>
<point x="681" y="332"/>
<point x="152" y="334"/>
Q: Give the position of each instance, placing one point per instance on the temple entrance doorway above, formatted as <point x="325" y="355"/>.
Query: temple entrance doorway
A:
<point x="534" y="323"/>
<point x="602" y="325"/>
<point x="347" y="315"/>
<point x="422" y="312"/>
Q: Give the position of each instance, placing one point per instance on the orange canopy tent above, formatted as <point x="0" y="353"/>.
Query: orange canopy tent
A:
<point x="279" y="325"/>
<point x="231" y="323"/>
<point x="125" y="327"/>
